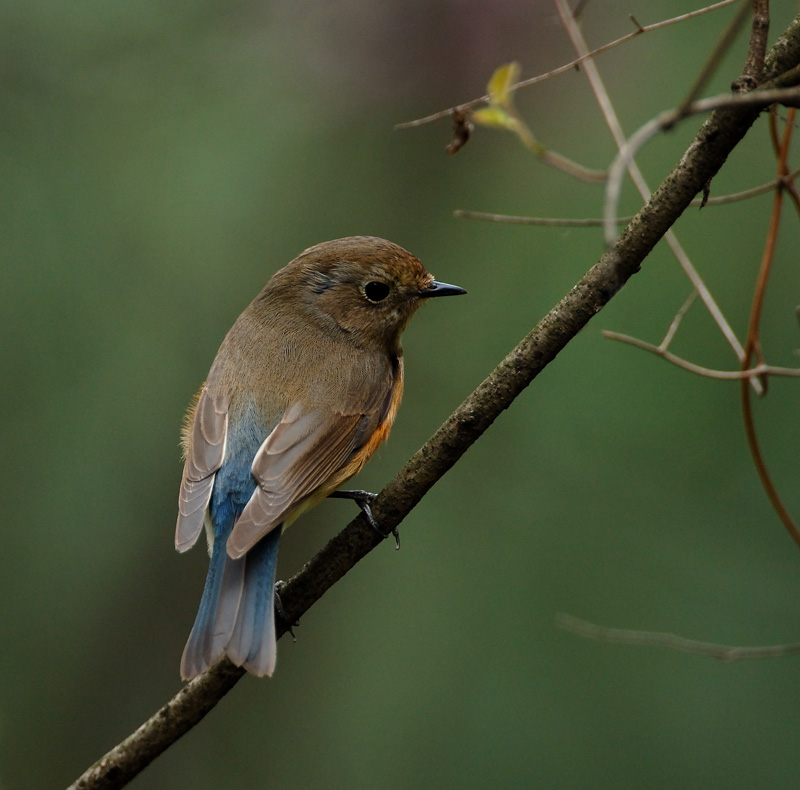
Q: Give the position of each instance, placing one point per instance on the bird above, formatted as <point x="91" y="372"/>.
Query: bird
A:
<point x="303" y="390"/>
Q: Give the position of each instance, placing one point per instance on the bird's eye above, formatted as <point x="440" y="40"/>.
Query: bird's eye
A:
<point x="376" y="291"/>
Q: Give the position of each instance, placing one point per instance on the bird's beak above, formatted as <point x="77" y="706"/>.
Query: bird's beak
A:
<point x="441" y="289"/>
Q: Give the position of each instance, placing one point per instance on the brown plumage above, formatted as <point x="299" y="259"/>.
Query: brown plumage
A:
<point x="303" y="390"/>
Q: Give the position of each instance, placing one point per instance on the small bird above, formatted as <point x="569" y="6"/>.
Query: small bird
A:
<point x="303" y="390"/>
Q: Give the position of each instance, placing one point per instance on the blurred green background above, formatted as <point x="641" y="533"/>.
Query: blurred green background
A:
<point x="158" y="164"/>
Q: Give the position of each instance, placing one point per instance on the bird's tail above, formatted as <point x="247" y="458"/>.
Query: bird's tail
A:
<point x="237" y="611"/>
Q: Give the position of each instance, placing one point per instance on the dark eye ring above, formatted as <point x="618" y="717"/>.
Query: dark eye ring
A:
<point x="376" y="291"/>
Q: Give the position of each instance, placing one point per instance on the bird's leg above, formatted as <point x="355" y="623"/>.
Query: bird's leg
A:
<point x="363" y="499"/>
<point x="281" y="612"/>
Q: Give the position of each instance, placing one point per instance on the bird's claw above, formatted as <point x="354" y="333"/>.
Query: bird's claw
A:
<point x="281" y="612"/>
<point x="364" y="499"/>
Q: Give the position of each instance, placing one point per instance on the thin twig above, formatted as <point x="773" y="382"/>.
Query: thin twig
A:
<point x="624" y="636"/>
<point x="588" y="222"/>
<point x="640" y="29"/>
<point x="676" y="321"/>
<point x="752" y="346"/>
<point x="556" y="222"/>
<point x="720" y="49"/>
<point x="638" y="179"/>
<point x="666" y="120"/>
<point x="783" y="181"/>
<point x="727" y="375"/>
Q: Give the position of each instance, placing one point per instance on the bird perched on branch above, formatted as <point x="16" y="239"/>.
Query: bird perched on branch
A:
<point x="303" y="390"/>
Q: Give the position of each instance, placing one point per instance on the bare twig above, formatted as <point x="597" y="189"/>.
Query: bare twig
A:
<point x="721" y="47"/>
<point x="588" y="222"/>
<point x="624" y="636"/>
<point x="638" y="179"/>
<point x="757" y="371"/>
<point x="783" y="181"/>
<point x="759" y="99"/>
<point x="752" y="345"/>
<point x="640" y="29"/>
<point x="676" y="321"/>
<point x="786" y="181"/>
<point x="570" y="167"/>
<point x="556" y="222"/>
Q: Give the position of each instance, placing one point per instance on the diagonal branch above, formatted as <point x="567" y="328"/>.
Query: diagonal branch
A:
<point x="716" y="139"/>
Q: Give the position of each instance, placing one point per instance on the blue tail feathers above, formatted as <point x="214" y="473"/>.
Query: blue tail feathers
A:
<point x="237" y="612"/>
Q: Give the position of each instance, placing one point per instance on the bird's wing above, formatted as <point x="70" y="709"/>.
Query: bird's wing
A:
<point x="204" y="454"/>
<point x="305" y="449"/>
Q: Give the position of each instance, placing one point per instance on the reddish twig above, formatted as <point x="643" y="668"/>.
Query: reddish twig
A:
<point x="752" y="345"/>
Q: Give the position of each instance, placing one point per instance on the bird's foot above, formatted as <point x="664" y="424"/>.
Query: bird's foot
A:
<point x="364" y="499"/>
<point x="281" y="612"/>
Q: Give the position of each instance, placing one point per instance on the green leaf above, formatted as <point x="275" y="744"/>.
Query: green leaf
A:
<point x="500" y="87"/>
